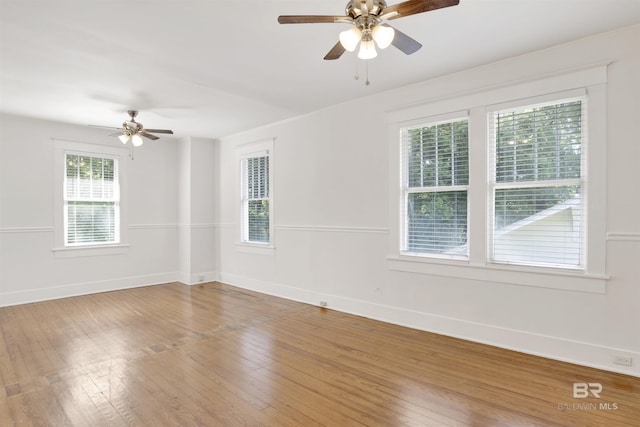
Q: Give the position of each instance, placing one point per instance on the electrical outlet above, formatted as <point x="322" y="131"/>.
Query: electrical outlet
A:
<point x="323" y="304"/>
<point x="620" y="359"/>
<point x="201" y="278"/>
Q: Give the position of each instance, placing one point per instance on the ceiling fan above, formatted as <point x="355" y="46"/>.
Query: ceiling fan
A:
<point x="134" y="131"/>
<point x="368" y="18"/>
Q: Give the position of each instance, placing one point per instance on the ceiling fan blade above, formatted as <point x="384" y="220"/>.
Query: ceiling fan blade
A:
<point x="411" y="7"/>
<point x="159" y="131"/>
<point x="311" y="19"/>
<point x="117" y="134"/>
<point x="147" y="135"/>
<point x="105" y="127"/>
<point x="335" y="52"/>
<point x="405" y="43"/>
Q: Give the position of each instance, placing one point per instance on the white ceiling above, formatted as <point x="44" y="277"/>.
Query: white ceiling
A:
<point x="210" y="68"/>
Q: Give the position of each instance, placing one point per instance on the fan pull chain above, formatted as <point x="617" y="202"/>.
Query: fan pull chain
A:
<point x="357" y="76"/>
<point x="367" y="82"/>
<point x="131" y="152"/>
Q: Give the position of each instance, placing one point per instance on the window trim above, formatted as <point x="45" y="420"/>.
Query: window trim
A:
<point x="590" y="80"/>
<point x="243" y="152"/>
<point x="60" y="249"/>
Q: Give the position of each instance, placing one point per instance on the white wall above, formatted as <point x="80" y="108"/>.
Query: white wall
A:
<point x="31" y="271"/>
<point x="332" y="224"/>
<point x="196" y="209"/>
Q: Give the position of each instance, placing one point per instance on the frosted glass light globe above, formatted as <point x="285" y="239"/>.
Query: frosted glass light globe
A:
<point x="383" y="35"/>
<point x="136" y="140"/>
<point x="349" y="39"/>
<point x="367" y="50"/>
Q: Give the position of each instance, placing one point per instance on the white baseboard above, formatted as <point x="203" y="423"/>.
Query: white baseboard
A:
<point x="580" y="353"/>
<point x="76" y="289"/>
<point x="197" y="278"/>
<point x="275" y="289"/>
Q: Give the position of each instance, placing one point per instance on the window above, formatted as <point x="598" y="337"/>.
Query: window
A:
<point x="536" y="184"/>
<point x="435" y="173"/>
<point x="534" y="187"/>
<point x="255" y="198"/>
<point x="91" y="200"/>
<point x="90" y="210"/>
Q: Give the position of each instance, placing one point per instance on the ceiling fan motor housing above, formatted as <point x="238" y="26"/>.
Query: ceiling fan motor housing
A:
<point x="363" y="18"/>
<point x="131" y="126"/>
<point x="354" y="8"/>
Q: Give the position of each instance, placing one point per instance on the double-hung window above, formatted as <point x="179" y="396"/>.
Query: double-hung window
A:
<point x="256" y="198"/>
<point x="91" y="200"/>
<point x="517" y="196"/>
<point x="90" y="203"/>
<point x="435" y="179"/>
<point x="536" y="186"/>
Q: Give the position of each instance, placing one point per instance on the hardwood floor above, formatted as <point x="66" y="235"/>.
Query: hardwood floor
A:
<point x="215" y="355"/>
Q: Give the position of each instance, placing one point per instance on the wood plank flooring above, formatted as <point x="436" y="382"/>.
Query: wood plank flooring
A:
<point x="215" y="355"/>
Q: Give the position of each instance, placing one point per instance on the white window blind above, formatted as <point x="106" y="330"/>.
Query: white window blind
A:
<point x="536" y="184"/>
<point x="435" y="178"/>
<point x="91" y="200"/>
<point x="255" y="198"/>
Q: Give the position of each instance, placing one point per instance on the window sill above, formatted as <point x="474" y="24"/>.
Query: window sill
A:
<point x="537" y="277"/>
<point x="86" y="251"/>
<point x="255" y="248"/>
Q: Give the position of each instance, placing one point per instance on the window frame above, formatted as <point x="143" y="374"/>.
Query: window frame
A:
<point x="589" y="81"/>
<point x="63" y="250"/>
<point x="406" y="189"/>
<point x="493" y="184"/>
<point x="254" y="150"/>
<point x="115" y="201"/>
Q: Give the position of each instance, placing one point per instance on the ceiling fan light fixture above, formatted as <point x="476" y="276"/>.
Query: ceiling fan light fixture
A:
<point x="350" y="38"/>
<point x="136" y="140"/>
<point x="367" y="50"/>
<point x="383" y="35"/>
<point x="370" y="16"/>
<point x="124" y="138"/>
